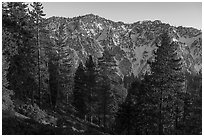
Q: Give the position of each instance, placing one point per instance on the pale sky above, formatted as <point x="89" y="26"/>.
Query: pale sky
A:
<point x="188" y="14"/>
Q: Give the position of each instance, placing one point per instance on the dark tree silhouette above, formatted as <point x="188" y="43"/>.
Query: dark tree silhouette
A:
<point x="166" y="83"/>
<point x="53" y="77"/>
<point x="106" y="69"/>
<point x="91" y="84"/>
<point x="18" y="48"/>
<point x="37" y="18"/>
<point x="79" y="93"/>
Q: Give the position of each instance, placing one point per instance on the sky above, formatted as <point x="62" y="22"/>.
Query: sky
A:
<point x="188" y="14"/>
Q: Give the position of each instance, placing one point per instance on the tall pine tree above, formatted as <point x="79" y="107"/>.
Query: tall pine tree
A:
<point x="65" y="60"/>
<point x="166" y="83"/>
<point x="91" y="83"/>
<point x="128" y="117"/>
<point x="37" y="18"/>
<point x="107" y="70"/>
<point x="79" y="91"/>
<point x="53" y="77"/>
<point x="18" y="48"/>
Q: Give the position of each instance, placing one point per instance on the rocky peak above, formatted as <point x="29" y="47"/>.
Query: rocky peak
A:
<point x="131" y="44"/>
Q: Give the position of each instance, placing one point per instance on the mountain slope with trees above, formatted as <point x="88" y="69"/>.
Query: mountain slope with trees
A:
<point x="90" y="75"/>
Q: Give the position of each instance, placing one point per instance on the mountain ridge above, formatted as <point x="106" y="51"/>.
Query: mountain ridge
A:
<point x="131" y="44"/>
<point x="127" y="23"/>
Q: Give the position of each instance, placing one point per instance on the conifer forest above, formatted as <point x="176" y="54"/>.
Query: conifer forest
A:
<point x="88" y="75"/>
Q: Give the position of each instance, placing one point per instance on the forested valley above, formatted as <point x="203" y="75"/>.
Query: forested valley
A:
<point x="47" y="90"/>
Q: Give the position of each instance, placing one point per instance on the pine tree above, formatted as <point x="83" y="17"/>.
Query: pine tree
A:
<point x="18" y="48"/>
<point x="37" y="17"/>
<point x="91" y="83"/>
<point x="79" y="93"/>
<point x="65" y="75"/>
<point x="53" y="77"/>
<point x="107" y="69"/>
<point x="135" y="114"/>
<point x="149" y="104"/>
<point x="65" y="78"/>
<point x="166" y="83"/>
<point x="127" y="118"/>
<point x="192" y="115"/>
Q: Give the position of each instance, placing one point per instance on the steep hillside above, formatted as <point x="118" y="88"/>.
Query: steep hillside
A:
<point x="19" y="124"/>
<point x="131" y="44"/>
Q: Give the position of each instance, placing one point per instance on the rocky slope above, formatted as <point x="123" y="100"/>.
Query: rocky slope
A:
<point x="131" y="44"/>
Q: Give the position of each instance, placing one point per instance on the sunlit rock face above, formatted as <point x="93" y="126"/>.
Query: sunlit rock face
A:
<point x="132" y="45"/>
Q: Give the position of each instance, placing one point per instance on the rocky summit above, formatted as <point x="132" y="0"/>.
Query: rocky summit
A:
<point x="132" y="45"/>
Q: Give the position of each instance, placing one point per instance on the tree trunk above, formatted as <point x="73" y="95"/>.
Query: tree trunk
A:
<point x="50" y="96"/>
<point x="32" y="97"/>
<point x="176" y="120"/>
<point x="185" y="106"/>
<point x="185" y="114"/>
<point x="85" y="118"/>
<point x="39" y="73"/>
<point x="104" y="111"/>
<point x="91" y="119"/>
<point x="160" y="115"/>
<point x="91" y="102"/>
<point x="67" y="99"/>
<point x="128" y="128"/>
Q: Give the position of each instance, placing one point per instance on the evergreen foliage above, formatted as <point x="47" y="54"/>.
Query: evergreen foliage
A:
<point x="159" y="103"/>
<point x="128" y="117"/>
<point x="91" y="84"/>
<point x="79" y="92"/>
<point x="7" y="102"/>
<point x="65" y="67"/>
<point x="167" y="83"/>
<point x="107" y="69"/>
<point x="37" y="22"/>
<point x="192" y="117"/>
<point x="18" y="48"/>
<point x="41" y="85"/>
<point x="53" y="66"/>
